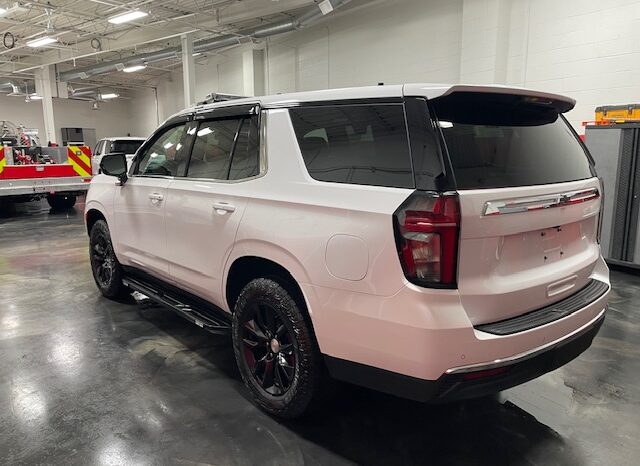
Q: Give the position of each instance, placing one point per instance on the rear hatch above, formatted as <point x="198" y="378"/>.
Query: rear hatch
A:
<point x="529" y="201"/>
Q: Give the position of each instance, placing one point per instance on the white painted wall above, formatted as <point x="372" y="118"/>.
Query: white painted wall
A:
<point x="587" y="49"/>
<point x="391" y="41"/>
<point x="111" y="120"/>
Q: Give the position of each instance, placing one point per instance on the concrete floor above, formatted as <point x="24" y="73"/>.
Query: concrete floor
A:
<point x="84" y="380"/>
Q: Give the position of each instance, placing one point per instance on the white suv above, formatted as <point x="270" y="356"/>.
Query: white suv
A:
<point x="435" y="242"/>
<point x="127" y="145"/>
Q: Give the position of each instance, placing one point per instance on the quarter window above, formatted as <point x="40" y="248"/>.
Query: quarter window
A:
<point x="165" y="155"/>
<point x="357" y="144"/>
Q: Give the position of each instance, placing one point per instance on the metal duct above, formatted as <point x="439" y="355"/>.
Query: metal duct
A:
<point x="17" y="87"/>
<point x="228" y="40"/>
<point x="91" y="92"/>
<point x="114" y="65"/>
<point x="73" y="89"/>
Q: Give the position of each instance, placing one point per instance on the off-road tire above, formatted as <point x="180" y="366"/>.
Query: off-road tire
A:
<point x="109" y="282"/>
<point x="305" y="391"/>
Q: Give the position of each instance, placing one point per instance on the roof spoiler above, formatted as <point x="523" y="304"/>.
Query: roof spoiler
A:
<point x="561" y="103"/>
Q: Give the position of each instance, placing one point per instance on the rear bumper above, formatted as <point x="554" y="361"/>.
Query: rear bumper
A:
<point x="427" y="334"/>
<point x="35" y="186"/>
<point x="473" y="380"/>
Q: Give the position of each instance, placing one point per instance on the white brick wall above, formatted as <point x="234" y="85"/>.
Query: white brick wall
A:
<point x="587" y="49"/>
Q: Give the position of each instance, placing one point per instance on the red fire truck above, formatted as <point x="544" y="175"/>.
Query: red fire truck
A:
<point x="30" y="172"/>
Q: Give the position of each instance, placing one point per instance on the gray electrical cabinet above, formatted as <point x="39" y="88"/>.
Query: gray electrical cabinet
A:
<point x="616" y="151"/>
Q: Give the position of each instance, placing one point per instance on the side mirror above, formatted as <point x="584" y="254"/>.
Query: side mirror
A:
<point x="115" y="164"/>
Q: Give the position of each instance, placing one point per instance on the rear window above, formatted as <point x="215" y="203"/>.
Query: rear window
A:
<point x="357" y="144"/>
<point x="497" y="141"/>
<point x="128" y="147"/>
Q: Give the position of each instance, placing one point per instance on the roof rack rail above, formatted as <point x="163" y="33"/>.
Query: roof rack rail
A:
<point x="216" y="97"/>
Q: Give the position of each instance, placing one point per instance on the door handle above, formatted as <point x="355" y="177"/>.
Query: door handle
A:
<point x="224" y="207"/>
<point x="156" y="197"/>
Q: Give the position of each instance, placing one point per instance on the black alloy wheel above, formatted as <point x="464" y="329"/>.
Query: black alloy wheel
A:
<point x="276" y="350"/>
<point x="269" y="349"/>
<point x="103" y="259"/>
<point x="105" y="267"/>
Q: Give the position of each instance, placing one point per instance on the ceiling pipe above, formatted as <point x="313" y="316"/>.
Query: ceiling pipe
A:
<point x="91" y="92"/>
<point x="73" y="89"/>
<point x="229" y="40"/>
<point x="12" y="86"/>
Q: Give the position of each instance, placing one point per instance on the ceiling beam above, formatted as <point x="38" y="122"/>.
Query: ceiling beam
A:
<point x="164" y="29"/>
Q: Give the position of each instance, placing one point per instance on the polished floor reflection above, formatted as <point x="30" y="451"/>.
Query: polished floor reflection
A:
<point x="84" y="380"/>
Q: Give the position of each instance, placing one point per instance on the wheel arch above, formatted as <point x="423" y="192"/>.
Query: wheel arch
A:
<point x="245" y="268"/>
<point x="92" y="216"/>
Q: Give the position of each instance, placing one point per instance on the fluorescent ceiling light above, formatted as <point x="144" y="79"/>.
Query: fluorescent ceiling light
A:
<point x="128" y="16"/>
<point x="110" y="95"/>
<point x="16" y="7"/>
<point x="41" y="41"/>
<point x="131" y="69"/>
<point x="36" y="97"/>
<point x="325" y="7"/>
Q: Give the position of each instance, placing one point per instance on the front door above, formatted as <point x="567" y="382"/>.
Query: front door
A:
<point x="139" y="204"/>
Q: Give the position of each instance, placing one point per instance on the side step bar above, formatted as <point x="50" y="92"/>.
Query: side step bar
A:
<point x="217" y="324"/>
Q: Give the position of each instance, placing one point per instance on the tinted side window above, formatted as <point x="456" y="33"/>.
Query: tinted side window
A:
<point x="126" y="146"/>
<point x="98" y="148"/>
<point x="357" y="144"/>
<point x="246" y="156"/>
<point x="211" y="153"/>
<point x="163" y="157"/>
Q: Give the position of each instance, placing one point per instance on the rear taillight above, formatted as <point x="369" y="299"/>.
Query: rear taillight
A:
<point x="427" y="226"/>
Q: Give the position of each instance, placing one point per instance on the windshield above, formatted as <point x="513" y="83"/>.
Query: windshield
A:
<point x="497" y="141"/>
<point x="128" y="147"/>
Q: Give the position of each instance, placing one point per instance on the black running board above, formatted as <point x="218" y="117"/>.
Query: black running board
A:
<point x="210" y="319"/>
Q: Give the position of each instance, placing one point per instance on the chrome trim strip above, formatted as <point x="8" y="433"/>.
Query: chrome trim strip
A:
<point x="527" y="204"/>
<point x="527" y="354"/>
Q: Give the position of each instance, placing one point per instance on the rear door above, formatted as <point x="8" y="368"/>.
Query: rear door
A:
<point x="205" y="207"/>
<point x="529" y="202"/>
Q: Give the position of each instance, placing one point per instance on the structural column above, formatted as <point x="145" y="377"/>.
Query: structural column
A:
<point x="253" y="72"/>
<point x="188" y="70"/>
<point x="45" y="84"/>
<point x="485" y="41"/>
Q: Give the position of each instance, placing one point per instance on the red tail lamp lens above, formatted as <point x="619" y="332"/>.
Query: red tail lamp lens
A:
<point x="427" y="227"/>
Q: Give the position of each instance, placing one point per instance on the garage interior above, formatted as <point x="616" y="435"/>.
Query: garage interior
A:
<point x="85" y="380"/>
